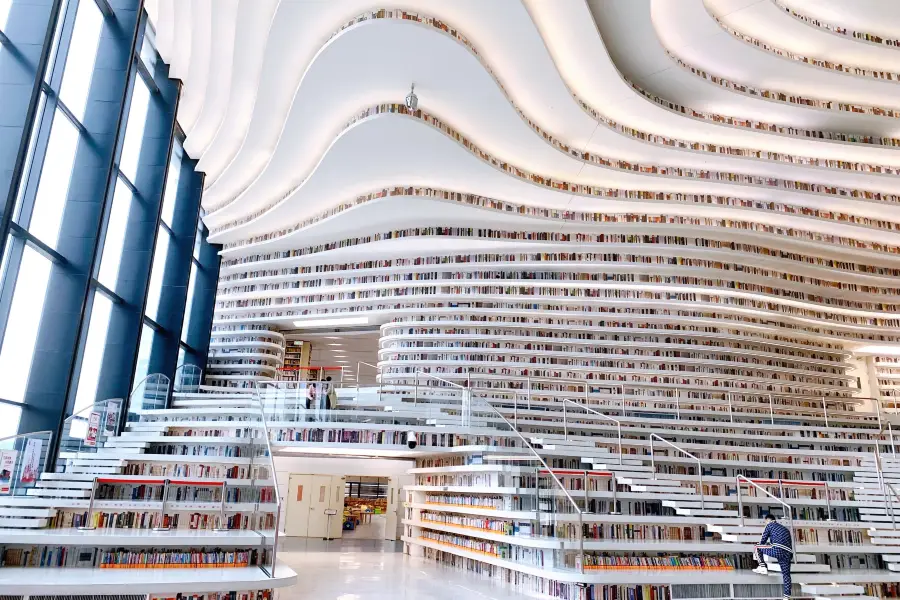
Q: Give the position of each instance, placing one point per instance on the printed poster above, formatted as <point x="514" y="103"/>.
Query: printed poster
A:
<point x="90" y="439"/>
<point x="7" y="466"/>
<point x="31" y="461"/>
<point x="112" y="417"/>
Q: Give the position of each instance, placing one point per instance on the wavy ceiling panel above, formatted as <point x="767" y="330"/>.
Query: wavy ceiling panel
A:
<point x="641" y="170"/>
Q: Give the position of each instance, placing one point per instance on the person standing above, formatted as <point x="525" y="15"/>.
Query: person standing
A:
<point x="776" y="542"/>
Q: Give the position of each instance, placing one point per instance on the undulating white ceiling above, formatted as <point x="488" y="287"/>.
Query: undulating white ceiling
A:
<point x="720" y="168"/>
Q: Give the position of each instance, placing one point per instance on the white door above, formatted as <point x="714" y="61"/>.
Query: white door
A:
<point x="319" y="502"/>
<point x="391" y="513"/>
<point x="337" y="505"/>
<point x="297" y="509"/>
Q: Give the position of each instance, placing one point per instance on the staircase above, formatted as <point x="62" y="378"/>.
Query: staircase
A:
<point x="834" y="591"/>
<point x="71" y="487"/>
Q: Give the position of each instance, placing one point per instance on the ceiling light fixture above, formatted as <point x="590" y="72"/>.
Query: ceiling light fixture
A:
<point x="318" y="322"/>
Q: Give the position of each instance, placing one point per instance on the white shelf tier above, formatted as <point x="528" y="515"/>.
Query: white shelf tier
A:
<point x="160" y="458"/>
<point x="524" y="515"/>
<point x="654" y="577"/>
<point x="516" y="540"/>
<point x="636" y="545"/>
<point x="487" y="468"/>
<point x="200" y="481"/>
<point x="114" y="505"/>
<point x="74" y="580"/>
<point x="135" y="537"/>
<point x="189" y="439"/>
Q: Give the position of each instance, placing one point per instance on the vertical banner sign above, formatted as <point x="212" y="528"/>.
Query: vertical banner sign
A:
<point x="112" y="417"/>
<point x="7" y="466"/>
<point x="90" y="439"/>
<point x="31" y="461"/>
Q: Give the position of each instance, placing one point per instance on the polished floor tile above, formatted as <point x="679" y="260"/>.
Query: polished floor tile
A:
<point x="376" y="570"/>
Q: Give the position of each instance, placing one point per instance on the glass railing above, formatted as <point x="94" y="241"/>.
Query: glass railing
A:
<point x="188" y="379"/>
<point x="87" y="430"/>
<point x="23" y="459"/>
<point x="317" y="401"/>
<point x="150" y="393"/>
<point x="266" y="519"/>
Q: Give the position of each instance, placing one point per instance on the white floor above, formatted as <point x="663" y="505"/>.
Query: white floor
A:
<point x="372" y="530"/>
<point x="373" y="570"/>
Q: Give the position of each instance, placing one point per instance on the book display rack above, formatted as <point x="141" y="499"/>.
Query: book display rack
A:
<point x="240" y="354"/>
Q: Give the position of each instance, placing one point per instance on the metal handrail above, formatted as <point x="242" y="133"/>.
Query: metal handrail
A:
<point x="22" y="435"/>
<point x="265" y="432"/>
<point x="184" y="369"/>
<point x="552" y="475"/>
<point x="884" y="485"/>
<point x="788" y="511"/>
<point x="596" y="412"/>
<point x="683" y="451"/>
<point x="377" y="370"/>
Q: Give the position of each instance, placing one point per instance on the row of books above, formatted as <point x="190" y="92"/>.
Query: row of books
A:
<point x="818" y="306"/>
<point x="609" y="320"/>
<point x="233" y="595"/>
<point x="674" y="562"/>
<point x="579" y="238"/>
<point x="796" y="99"/>
<point x="194" y="470"/>
<point x="676" y="172"/>
<point x="547" y="587"/>
<point x="540" y="260"/>
<point x="198" y="449"/>
<point x="136" y="519"/>
<point x="810" y="60"/>
<point x="68" y="556"/>
<point x="679" y="273"/>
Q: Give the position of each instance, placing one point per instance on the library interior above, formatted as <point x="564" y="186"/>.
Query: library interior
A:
<point x="430" y="299"/>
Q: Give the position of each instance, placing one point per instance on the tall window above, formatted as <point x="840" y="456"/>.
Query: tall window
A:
<point x="82" y="55"/>
<point x="92" y="357"/>
<point x="22" y="325"/>
<point x="134" y="133"/>
<point x="160" y="257"/>
<point x="50" y="202"/>
<point x="144" y="351"/>
<point x="5" y="6"/>
<point x="114" y="242"/>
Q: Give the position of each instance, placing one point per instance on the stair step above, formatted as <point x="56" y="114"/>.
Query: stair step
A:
<point x="648" y="482"/>
<point x="94" y="470"/>
<point x="659" y="489"/>
<point x="836" y="597"/>
<point x="891" y="558"/>
<point x="736" y="529"/>
<point x="801" y="568"/>
<point x="23" y="523"/>
<point x="706" y="512"/>
<point x="885" y="541"/>
<point x="66" y="484"/>
<point x="828" y="589"/>
<point x="56" y="493"/>
<point x="15" y="511"/>
<point x="67" y="476"/>
<point x="613" y="466"/>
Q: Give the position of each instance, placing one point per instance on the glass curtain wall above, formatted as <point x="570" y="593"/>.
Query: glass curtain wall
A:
<point x="106" y="274"/>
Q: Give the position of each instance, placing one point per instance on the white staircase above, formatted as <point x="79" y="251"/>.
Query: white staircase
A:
<point x="835" y="591"/>
<point x="803" y="563"/>
<point x="72" y="488"/>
